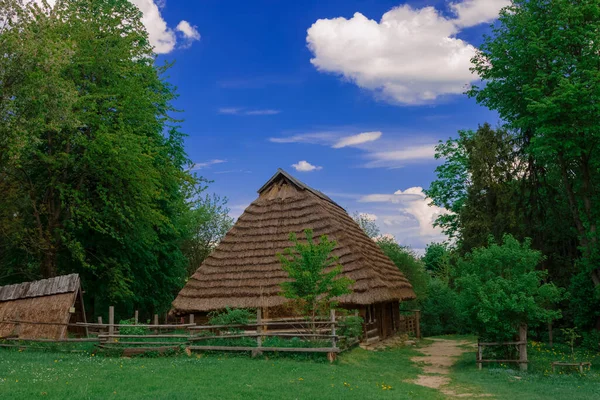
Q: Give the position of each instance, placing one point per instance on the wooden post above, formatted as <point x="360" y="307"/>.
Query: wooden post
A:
<point x="331" y="356"/>
<point x="479" y="355"/>
<point x="136" y="317"/>
<point x="155" y="322"/>
<point x="523" y="347"/>
<point x="192" y="319"/>
<point x="111" y="322"/>
<point x="550" y="334"/>
<point x="418" y="323"/>
<point x="259" y="329"/>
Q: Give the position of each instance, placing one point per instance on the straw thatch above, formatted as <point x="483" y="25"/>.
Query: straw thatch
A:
<point x="243" y="271"/>
<point x="39" y="305"/>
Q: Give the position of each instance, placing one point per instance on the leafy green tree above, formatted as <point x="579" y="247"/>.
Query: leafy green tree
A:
<point x="408" y="263"/>
<point x="314" y="274"/>
<point x="91" y="159"/>
<point x="437" y="260"/>
<point x="500" y="289"/>
<point x="207" y="223"/>
<point x="540" y="69"/>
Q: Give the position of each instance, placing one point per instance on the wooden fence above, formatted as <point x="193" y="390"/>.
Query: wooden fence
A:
<point x="410" y="323"/>
<point x="521" y="348"/>
<point x="164" y="337"/>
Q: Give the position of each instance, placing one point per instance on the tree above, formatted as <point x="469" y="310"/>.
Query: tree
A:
<point x="314" y="274"/>
<point x="540" y="69"/>
<point x="500" y="289"/>
<point x="437" y="260"/>
<point x="408" y="263"/>
<point x="91" y="159"/>
<point x="367" y="224"/>
<point x="208" y="222"/>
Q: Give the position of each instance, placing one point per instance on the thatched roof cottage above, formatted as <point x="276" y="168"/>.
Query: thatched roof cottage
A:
<point x="44" y="307"/>
<point x="244" y="271"/>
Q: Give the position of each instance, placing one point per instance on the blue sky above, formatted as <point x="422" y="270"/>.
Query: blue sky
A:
<point x="253" y="101"/>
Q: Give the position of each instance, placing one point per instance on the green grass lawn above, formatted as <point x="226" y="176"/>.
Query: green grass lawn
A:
<point x="357" y="374"/>
<point x="508" y="382"/>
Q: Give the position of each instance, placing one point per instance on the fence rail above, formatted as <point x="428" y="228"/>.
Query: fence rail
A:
<point x="112" y="335"/>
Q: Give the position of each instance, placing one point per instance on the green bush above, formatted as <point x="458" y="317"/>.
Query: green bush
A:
<point x="439" y="310"/>
<point x="232" y="316"/>
<point x="128" y="327"/>
<point x="350" y="328"/>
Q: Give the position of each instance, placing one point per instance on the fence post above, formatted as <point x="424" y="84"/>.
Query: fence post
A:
<point x="479" y="355"/>
<point x="155" y="322"/>
<point x="111" y="322"/>
<point x="135" y="317"/>
<point x="418" y="323"/>
<point x="523" y="347"/>
<point x="331" y="356"/>
<point x="192" y="319"/>
<point x="258" y="332"/>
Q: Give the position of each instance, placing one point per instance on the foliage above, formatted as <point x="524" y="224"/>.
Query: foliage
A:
<point x="540" y="69"/>
<point x="439" y="310"/>
<point x="314" y="274"/>
<point x="207" y="223"/>
<point x="367" y="224"/>
<point x="571" y="335"/>
<point x="128" y="327"/>
<point x="92" y="167"/>
<point x="350" y="327"/>
<point x="407" y="262"/>
<point x="437" y="260"/>
<point x="231" y="316"/>
<point x="500" y="289"/>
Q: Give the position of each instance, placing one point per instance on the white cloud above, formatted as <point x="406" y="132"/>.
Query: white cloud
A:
<point x="357" y="139"/>
<point x="190" y="33"/>
<point x="394" y="158"/>
<point x="475" y="12"/>
<point x="411" y="56"/>
<point x="304" y="166"/>
<point x="413" y="205"/>
<point x="242" y="111"/>
<point x="161" y="37"/>
<point x="206" y="164"/>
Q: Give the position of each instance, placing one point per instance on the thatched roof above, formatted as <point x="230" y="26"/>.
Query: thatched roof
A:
<point x="243" y="271"/>
<point x="44" y="306"/>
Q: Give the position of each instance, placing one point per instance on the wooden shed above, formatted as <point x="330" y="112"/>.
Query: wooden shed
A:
<point x="42" y="309"/>
<point x="244" y="271"/>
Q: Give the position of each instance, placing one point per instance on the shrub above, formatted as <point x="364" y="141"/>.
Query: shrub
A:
<point x="439" y="309"/>
<point x="350" y="328"/>
<point x="231" y="316"/>
<point x="130" y="328"/>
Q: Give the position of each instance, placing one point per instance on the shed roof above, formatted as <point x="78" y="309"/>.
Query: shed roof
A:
<point x="44" y="287"/>
<point x="244" y="271"/>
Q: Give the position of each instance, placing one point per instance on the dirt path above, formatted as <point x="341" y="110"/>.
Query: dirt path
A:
<point x="438" y="358"/>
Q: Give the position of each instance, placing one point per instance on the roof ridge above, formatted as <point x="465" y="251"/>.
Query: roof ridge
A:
<point x="298" y="183"/>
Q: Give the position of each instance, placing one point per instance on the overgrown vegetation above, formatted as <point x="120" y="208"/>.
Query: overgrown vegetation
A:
<point x="314" y="275"/>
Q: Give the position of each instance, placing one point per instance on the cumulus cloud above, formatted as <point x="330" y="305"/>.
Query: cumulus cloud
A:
<point x="242" y="111"/>
<point x="411" y="56"/>
<point x="190" y="33"/>
<point x="206" y="164"/>
<point x="160" y="35"/>
<point x="357" y="139"/>
<point x="475" y="12"/>
<point x="305" y="166"/>
<point x="412" y="204"/>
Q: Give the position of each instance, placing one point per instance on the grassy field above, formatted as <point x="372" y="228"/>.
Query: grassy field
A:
<point x="507" y="382"/>
<point x="356" y="375"/>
